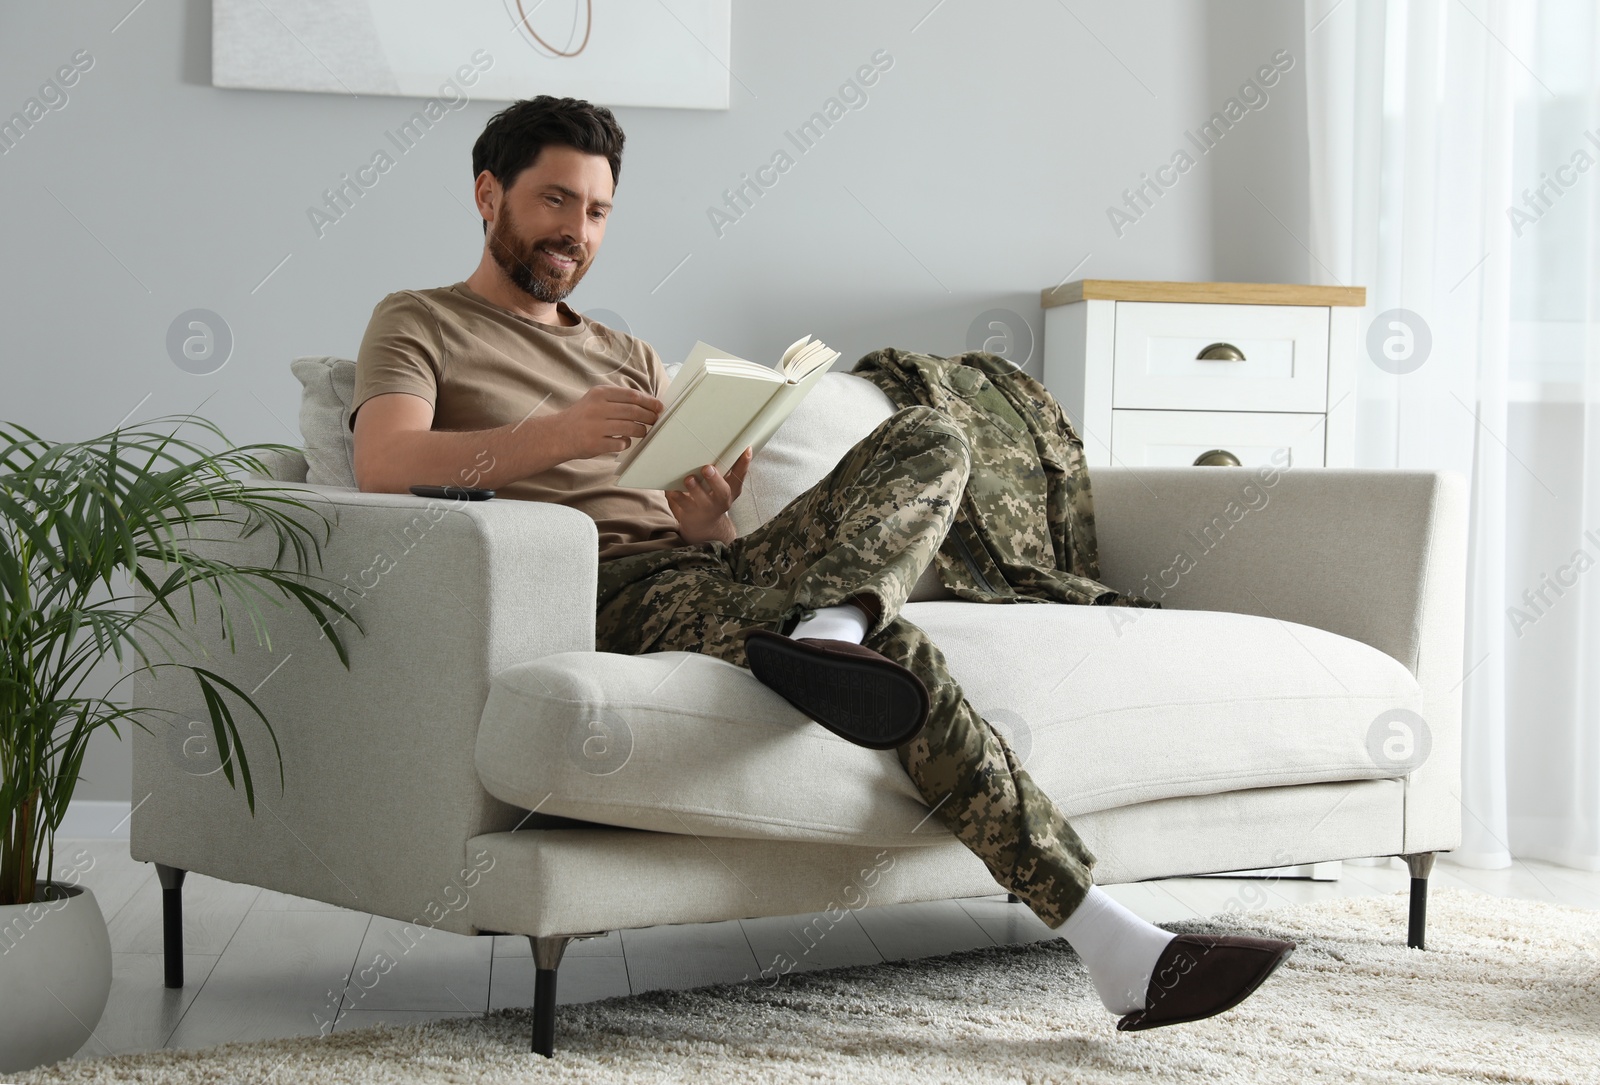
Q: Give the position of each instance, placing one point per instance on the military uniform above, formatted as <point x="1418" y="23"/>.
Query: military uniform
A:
<point x="864" y="533"/>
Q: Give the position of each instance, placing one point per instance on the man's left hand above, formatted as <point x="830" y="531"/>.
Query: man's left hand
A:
<point x="701" y="508"/>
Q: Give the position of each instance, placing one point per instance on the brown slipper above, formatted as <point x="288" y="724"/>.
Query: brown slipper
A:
<point x="1201" y="975"/>
<point x="860" y="695"/>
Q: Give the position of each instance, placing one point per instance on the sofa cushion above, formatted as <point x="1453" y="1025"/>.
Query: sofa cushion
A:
<point x="1107" y="707"/>
<point x="327" y="386"/>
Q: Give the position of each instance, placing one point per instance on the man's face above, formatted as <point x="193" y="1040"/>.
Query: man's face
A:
<point x="551" y="221"/>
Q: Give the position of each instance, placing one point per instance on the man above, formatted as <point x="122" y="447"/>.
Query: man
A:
<point x="496" y="382"/>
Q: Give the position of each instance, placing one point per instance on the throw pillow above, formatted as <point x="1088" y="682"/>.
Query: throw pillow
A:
<point x="327" y="386"/>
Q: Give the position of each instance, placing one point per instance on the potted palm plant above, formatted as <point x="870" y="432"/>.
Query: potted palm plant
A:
<point x="95" y="556"/>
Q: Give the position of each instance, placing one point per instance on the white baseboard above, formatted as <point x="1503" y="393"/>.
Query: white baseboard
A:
<point x="95" y="819"/>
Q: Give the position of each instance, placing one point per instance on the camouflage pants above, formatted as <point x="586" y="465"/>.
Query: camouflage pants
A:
<point x="864" y="534"/>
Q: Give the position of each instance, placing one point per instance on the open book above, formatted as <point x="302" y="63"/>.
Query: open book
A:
<point x="715" y="408"/>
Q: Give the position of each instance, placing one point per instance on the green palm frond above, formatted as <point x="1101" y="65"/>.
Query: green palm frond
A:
<point x="97" y="561"/>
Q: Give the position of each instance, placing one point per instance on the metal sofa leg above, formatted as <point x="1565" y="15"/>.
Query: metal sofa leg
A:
<point x="1012" y="898"/>
<point x="172" y="922"/>
<point x="1420" y="865"/>
<point x="546" y="959"/>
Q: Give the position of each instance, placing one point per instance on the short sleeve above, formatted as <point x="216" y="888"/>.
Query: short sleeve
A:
<point x="402" y="351"/>
<point x="659" y="379"/>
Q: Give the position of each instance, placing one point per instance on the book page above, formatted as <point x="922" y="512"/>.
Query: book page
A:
<point x="798" y="363"/>
<point x="793" y="350"/>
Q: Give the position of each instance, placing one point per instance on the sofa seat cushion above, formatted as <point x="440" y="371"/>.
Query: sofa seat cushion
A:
<point x="1106" y="706"/>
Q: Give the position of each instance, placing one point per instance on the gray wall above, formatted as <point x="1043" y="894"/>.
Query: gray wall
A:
<point x="979" y="172"/>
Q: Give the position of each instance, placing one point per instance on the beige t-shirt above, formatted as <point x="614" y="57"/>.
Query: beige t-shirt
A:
<point x="482" y="366"/>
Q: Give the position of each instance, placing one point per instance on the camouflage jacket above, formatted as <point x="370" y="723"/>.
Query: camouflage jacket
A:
<point x="1025" y="529"/>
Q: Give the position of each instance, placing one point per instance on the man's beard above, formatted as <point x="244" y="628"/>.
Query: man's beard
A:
<point x="524" y="266"/>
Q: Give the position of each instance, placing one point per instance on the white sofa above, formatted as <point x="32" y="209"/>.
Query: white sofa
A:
<point x="1246" y="724"/>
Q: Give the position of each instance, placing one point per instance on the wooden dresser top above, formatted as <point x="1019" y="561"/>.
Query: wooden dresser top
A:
<point x="1210" y="293"/>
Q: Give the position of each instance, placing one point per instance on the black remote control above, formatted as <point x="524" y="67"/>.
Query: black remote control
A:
<point x="453" y="493"/>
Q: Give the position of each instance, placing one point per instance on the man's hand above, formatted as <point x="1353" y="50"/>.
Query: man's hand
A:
<point x="608" y="418"/>
<point x="701" y="509"/>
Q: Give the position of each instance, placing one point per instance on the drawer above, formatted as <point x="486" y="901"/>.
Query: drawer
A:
<point x="1157" y="363"/>
<point x="1177" y="438"/>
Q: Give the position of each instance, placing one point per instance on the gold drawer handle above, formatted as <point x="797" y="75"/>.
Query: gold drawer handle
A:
<point x="1217" y="457"/>
<point x="1220" y="352"/>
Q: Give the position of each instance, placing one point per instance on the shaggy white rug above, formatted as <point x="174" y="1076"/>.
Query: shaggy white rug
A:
<point x="1508" y="991"/>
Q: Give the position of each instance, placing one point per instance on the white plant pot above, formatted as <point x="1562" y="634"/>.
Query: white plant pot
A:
<point x="55" y="976"/>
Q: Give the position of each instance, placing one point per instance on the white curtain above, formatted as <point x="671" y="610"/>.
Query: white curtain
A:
<point x="1455" y="173"/>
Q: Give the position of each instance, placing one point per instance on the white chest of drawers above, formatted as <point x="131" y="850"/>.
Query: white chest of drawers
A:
<point x="1173" y="374"/>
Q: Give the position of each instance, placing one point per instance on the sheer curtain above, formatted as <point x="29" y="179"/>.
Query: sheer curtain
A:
<point x="1455" y="172"/>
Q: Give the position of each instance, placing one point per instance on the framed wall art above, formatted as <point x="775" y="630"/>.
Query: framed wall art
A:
<point x="667" y="53"/>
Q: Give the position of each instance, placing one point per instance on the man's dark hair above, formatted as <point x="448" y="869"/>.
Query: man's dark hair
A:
<point x="513" y="138"/>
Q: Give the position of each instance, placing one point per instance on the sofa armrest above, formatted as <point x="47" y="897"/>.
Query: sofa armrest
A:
<point x="1378" y="556"/>
<point x="380" y="794"/>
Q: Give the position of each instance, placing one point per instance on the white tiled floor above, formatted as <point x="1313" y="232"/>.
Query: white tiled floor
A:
<point x="260" y="964"/>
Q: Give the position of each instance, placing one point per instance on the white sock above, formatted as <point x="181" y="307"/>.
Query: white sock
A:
<point x="1119" y="949"/>
<point x="844" y="622"/>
